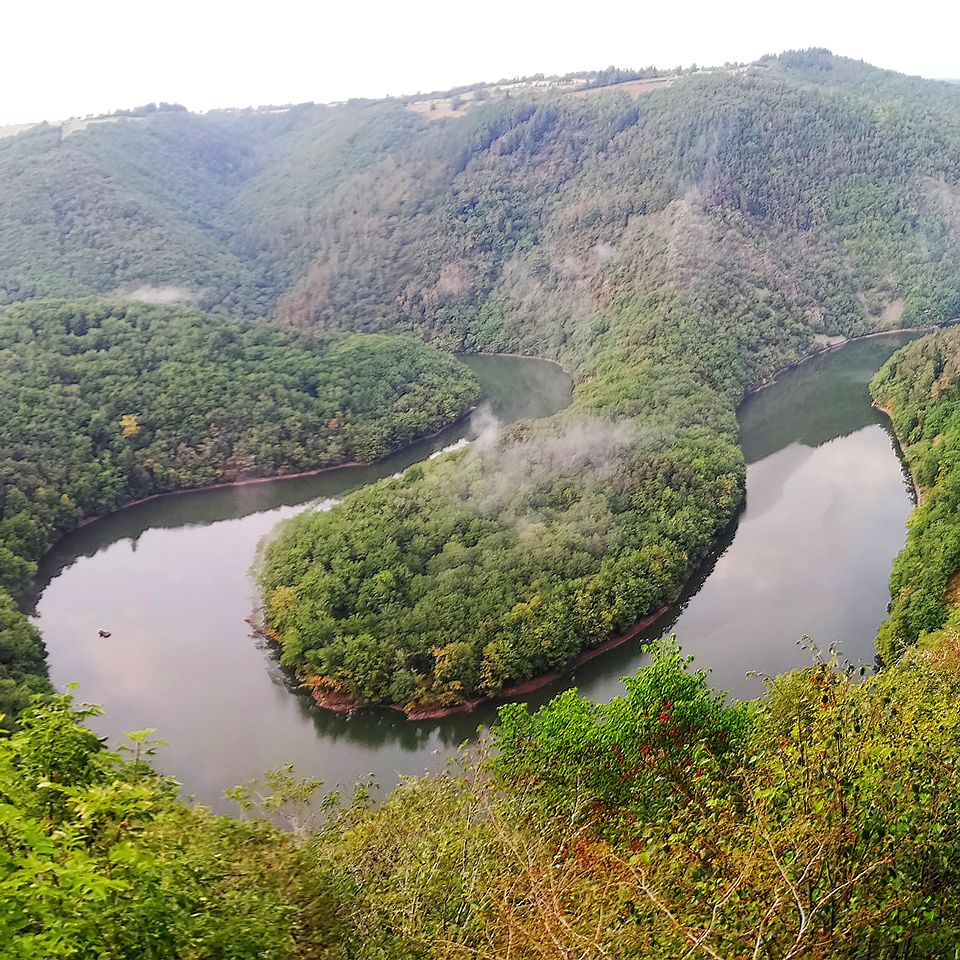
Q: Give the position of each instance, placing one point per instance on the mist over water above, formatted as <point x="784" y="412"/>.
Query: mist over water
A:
<point x="825" y="511"/>
<point x="170" y="580"/>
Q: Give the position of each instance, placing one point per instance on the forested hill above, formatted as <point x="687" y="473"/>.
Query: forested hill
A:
<point x="519" y="219"/>
<point x="527" y="222"/>
<point x="673" y="251"/>
<point x="919" y="387"/>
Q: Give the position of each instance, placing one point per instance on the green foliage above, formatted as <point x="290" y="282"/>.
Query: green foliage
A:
<point x="98" y="859"/>
<point x="819" y="822"/>
<point x="920" y="387"/>
<point x="102" y="403"/>
<point x="667" y="743"/>
<point x="673" y="253"/>
<point x="23" y="670"/>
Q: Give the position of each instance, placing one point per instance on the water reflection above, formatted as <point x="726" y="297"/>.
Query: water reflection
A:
<point x="169" y="580"/>
<point x="823" y="399"/>
<point x="810" y="553"/>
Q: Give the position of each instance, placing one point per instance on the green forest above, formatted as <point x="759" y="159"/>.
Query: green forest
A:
<point x="684" y="247"/>
<point x="919" y="387"/>
<point x="672" y="250"/>
<point x="819" y="821"/>
<point x="103" y="403"/>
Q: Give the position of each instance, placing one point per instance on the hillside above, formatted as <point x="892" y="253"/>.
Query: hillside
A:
<point x="673" y="245"/>
<point x="919" y="387"/>
<point x="118" y="206"/>
<point x="673" y="252"/>
<point x="837" y="177"/>
<point x="525" y="221"/>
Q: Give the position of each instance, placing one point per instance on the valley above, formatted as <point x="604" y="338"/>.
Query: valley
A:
<point x="815" y="449"/>
<point x="453" y="399"/>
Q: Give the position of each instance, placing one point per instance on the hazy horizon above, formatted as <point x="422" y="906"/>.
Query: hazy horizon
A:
<point x="64" y="60"/>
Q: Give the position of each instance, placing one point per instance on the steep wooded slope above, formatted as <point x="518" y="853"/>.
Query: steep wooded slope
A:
<point x="673" y="252"/>
<point x="919" y="387"/>
<point x="517" y="221"/>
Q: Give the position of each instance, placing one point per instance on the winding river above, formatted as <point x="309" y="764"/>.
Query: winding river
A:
<point x="810" y="553"/>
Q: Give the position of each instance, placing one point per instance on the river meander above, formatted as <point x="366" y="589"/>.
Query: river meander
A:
<point x="810" y="554"/>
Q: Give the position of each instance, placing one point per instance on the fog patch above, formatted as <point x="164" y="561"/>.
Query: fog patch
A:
<point x="487" y="428"/>
<point x="458" y="445"/>
<point x="588" y="449"/>
<point x="585" y="267"/>
<point x="604" y="252"/>
<point x="160" y="295"/>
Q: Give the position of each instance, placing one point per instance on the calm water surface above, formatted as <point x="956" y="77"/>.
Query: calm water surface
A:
<point x="810" y="554"/>
<point x="826" y="509"/>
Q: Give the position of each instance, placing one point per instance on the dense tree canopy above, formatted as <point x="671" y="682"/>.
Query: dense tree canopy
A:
<point x="919" y="387"/>
<point x="102" y="403"/>
<point x="498" y="564"/>
<point x="673" y="252"/>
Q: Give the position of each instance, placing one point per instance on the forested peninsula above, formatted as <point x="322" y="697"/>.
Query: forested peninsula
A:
<point x="672" y="252"/>
<point x="103" y="403"/>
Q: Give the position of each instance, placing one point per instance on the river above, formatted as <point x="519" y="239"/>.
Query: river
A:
<point x="810" y="554"/>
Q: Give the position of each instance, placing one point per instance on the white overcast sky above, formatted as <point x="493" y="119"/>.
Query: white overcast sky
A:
<point x="62" y="58"/>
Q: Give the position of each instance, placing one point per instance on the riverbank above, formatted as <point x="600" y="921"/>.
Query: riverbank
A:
<point x="517" y="356"/>
<point x="839" y="344"/>
<point x="280" y="477"/>
<point x="338" y="702"/>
